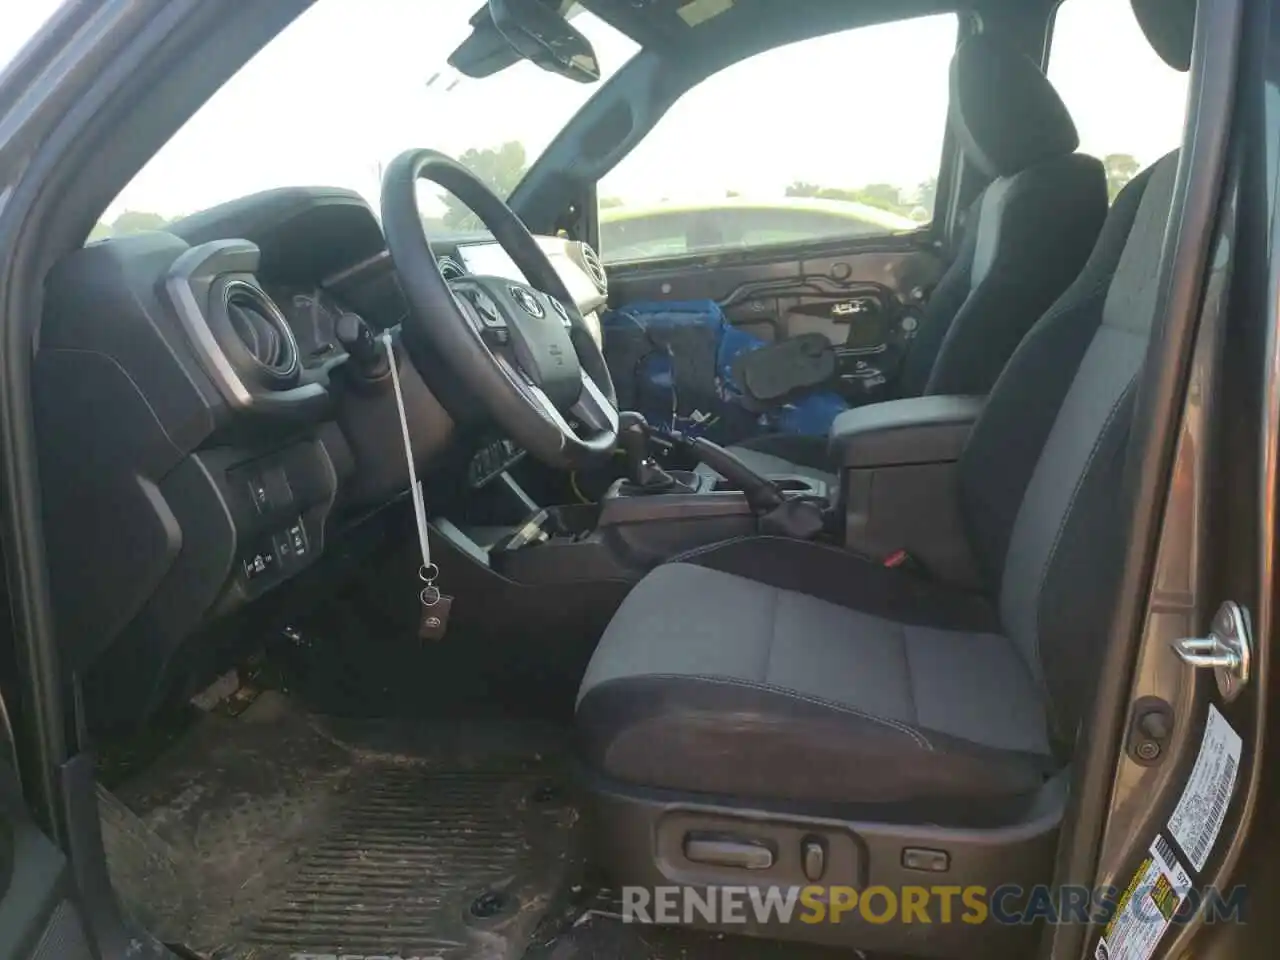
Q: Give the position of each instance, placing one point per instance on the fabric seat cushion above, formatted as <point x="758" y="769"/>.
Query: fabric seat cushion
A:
<point x="772" y="689"/>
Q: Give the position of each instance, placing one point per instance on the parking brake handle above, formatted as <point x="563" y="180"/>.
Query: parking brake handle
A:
<point x="763" y="495"/>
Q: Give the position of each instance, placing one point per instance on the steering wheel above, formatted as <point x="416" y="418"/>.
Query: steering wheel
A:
<point x="523" y="350"/>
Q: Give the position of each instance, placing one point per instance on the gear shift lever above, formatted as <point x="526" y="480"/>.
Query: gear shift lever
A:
<point x="644" y="472"/>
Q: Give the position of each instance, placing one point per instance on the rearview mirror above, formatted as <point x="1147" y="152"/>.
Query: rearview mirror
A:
<point x="541" y="34"/>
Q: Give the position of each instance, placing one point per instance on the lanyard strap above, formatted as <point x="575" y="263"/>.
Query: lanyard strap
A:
<point x="428" y="571"/>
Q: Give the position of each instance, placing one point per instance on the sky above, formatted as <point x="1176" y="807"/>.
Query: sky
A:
<point x="350" y="84"/>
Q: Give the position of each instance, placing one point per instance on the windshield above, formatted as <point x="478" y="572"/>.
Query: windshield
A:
<point x="346" y="87"/>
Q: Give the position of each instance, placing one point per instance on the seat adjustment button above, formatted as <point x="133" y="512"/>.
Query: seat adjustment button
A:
<point x="922" y="858"/>
<point x="813" y="858"/>
<point x="728" y="851"/>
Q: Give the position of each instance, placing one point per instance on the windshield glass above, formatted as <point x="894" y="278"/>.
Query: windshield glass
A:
<point x="342" y="90"/>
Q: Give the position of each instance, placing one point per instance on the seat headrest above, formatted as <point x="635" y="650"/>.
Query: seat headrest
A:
<point x="1004" y="111"/>
<point x="1169" y="26"/>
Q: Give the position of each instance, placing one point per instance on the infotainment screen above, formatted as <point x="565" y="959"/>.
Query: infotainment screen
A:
<point x="489" y="260"/>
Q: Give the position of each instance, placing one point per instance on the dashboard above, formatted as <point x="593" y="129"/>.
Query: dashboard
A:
<point x="197" y="375"/>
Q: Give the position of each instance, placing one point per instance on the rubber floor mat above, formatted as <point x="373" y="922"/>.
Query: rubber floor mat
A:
<point x="595" y="930"/>
<point x="607" y="938"/>
<point x="276" y="835"/>
<point x="422" y="864"/>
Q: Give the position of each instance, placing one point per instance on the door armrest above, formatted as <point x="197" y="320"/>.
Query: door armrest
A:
<point x="898" y="432"/>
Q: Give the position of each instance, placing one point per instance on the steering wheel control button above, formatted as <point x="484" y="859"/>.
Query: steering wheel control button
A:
<point x="560" y="310"/>
<point x="526" y="301"/>
<point x="489" y="313"/>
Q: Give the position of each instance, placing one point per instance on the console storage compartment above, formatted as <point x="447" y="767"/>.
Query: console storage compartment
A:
<point x="621" y="538"/>
<point x="899" y="479"/>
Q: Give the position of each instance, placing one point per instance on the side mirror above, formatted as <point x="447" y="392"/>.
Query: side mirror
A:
<point x="541" y="34"/>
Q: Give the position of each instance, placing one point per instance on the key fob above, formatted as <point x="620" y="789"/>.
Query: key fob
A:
<point x="435" y="619"/>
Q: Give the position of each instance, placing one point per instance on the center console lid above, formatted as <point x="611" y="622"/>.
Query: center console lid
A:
<point x="900" y="477"/>
<point x="902" y="432"/>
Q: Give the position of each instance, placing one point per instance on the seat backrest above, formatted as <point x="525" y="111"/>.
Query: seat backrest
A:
<point x="1042" y="475"/>
<point x="1026" y="236"/>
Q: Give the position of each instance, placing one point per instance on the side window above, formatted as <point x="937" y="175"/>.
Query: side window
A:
<point x="835" y="137"/>
<point x="1127" y="103"/>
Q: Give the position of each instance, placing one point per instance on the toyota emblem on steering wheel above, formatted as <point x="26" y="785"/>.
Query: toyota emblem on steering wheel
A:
<point x="527" y="301"/>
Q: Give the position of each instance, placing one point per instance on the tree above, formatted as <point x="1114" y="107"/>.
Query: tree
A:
<point x="501" y="168"/>
<point x="802" y="188"/>
<point x="1121" y="168"/>
<point x="137" y="221"/>
<point x="883" y="195"/>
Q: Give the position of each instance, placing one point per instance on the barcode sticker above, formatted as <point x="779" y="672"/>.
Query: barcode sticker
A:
<point x="1147" y="907"/>
<point x="1198" y="817"/>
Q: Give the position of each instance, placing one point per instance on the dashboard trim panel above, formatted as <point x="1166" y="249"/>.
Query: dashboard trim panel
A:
<point x="190" y="283"/>
<point x="179" y="286"/>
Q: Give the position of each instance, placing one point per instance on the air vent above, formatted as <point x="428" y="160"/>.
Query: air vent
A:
<point x="594" y="267"/>
<point x="450" y="268"/>
<point x="262" y="329"/>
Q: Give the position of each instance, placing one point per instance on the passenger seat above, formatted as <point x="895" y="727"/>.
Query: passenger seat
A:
<point x="1026" y="238"/>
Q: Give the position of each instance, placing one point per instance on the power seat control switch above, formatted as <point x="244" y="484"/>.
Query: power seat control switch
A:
<point x="923" y="858"/>
<point x="813" y="858"/>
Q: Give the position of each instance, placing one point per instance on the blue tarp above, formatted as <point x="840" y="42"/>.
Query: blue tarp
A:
<point x="673" y="362"/>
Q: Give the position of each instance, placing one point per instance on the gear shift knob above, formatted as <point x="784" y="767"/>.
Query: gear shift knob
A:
<point x="633" y="438"/>
<point x="644" y="472"/>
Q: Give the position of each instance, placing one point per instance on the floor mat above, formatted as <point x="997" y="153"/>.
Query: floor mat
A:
<point x="606" y="938"/>
<point x="273" y="835"/>
<point x="595" y="931"/>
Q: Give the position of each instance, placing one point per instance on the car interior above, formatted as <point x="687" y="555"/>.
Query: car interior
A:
<point x="369" y="675"/>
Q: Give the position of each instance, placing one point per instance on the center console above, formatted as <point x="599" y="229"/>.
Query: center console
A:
<point x="622" y="537"/>
<point x="899" y="465"/>
<point x="654" y="514"/>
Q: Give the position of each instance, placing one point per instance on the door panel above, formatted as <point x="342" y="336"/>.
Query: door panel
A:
<point x="38" y="919"/>
<point x="865" y="299"/>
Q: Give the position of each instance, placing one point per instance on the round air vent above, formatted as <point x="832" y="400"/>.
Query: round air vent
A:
<point x="263" y="332"/>
<point x="595" y="268"/>
<point x="450" y="268"/>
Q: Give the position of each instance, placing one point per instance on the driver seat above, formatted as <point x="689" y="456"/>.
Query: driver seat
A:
<point x="816" y="718"/>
